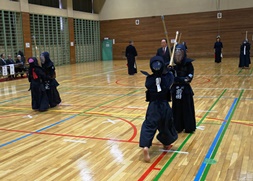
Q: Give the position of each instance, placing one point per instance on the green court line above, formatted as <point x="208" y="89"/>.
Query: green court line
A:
<point x="251" y="70"/>
<point x="220" y="139"/>
<point x="239" y="71"/>
<point x="186" y="139"/>
<point x="109" y="101"/>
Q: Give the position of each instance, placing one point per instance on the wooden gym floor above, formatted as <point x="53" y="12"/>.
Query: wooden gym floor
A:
<point x="94" y="134"/>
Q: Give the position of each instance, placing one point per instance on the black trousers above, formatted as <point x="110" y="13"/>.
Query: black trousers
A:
<point x="158" y="117"/>
<point x="184" y="113"/>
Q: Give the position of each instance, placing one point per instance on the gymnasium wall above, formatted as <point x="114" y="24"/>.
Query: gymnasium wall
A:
<point x="45" y="24"/>
<point x="121" y="9"/>
<point x="199" y="30"/>
<point x="24" y="6"/>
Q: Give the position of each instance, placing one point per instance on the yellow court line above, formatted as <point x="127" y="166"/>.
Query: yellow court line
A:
<point x="113" y="113"/>
<point x="242" y="121"/>
<point x="233" y="121"/>
<point x="17" y="108"/>
<point x="75" y="111"/>
<point x="118" y="114"/>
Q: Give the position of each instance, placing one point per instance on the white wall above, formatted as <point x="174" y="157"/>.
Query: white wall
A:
<point x="24" y="6"/>
<point x="9" y="5"/>
<point x="120" y="9"/>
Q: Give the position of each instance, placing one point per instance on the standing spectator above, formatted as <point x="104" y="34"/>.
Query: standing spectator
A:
<point x="37" y="77"/>
<point x="163" y="51"/>
<point x="159" y="114"/>
<point x="218" y="47"/>
<point x="131" y="53"/>
<point x="182" y="93"/>
<point x="52" y="84"/>
<point x="244" y="54"/>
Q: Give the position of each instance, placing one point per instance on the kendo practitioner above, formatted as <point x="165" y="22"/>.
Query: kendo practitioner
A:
<point x="164" y="51"/>
<point x="182" y="93"/>
<point x="218" y="46"/>
<point x="244" y="54"/>
<point x="37" y="77"/>
<point x="131" y="53"/>
<point x="159" y="114"/>
<point x="51" y="85"/>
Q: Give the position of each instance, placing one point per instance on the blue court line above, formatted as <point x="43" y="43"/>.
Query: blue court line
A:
<point x="42" y="129"/>
<point x="61" y="121"/>
<point x="17" y="98"/>
<point x="212" y="148"/>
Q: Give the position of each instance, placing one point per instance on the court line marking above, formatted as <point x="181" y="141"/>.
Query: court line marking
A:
<point x="201" y="128"/>
<point x="174" y="151"/>
<point x="184" y="142"/>
<point x="110" y="121"/>
<point x="75" y="141"/>
<point x="204" y="168"/>
<point x="182" y="145"/>
<point x="152" y="167"/>
<point x="64" y="120"/>
<point x="204" y="111"/>
<point x="30" y="134"/>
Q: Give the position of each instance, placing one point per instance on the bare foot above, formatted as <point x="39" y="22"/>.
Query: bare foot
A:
<point x="146" y="154"/>
<point x="167" y="147"/>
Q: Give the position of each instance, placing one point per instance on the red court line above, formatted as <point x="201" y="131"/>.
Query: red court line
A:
<point x="203" y="80"/>
<point x="152" y="167"/>
<point x="118" y="83"/>
<point x="131" y="124"/>
<point x="235" y="122"/>
<point x="79" y="105"/>
<point x="90" y="137"/>
<point x="62" y="135"/>
<point x="74" y="136"/>
<point x="146" y="173"/>
<point x="130" y="140"/>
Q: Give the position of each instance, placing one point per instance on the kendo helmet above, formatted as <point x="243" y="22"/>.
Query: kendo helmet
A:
<point x="33" y="61"/>
<point x="179" y="54"/>
<point x="157" y="65"/>
<point x="245" y="41"/>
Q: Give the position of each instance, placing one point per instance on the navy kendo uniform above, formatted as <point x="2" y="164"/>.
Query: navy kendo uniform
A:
<point x="37" y="77"/>
<point x="159" y="114"/>
<point x="244" y="54"/>
<point x="52" y="84"/>
<point x="182" y="93"/>
<point x="131" y="53"/>
<point x="218" y="46"/>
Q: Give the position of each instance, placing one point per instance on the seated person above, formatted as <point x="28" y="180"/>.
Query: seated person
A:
<point x="3" y="62"/>
<point x="2" y="59"/>
<point x="20" y="66"/>
<point x="10" y="61"/>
